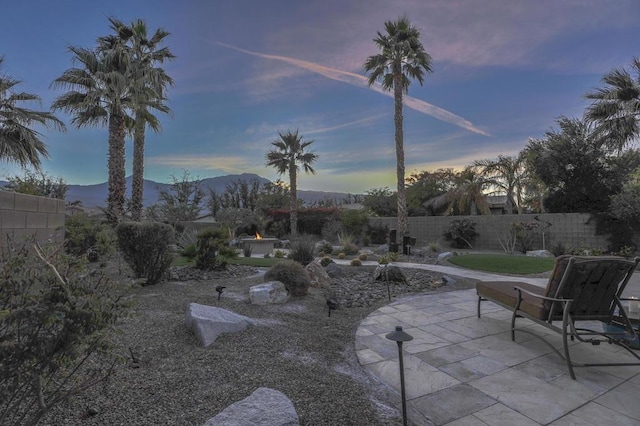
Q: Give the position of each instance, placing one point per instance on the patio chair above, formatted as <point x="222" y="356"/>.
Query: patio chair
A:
<point x="581" y="288"/>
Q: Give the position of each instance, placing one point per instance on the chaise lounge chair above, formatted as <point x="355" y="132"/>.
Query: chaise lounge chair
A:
<point x="581" y="288"/>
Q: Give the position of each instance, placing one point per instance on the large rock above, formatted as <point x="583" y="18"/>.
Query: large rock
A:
<point x="444" y="256"/>
<point x="334" y="270"/>
<point x="268" y="293"/>
<point x="540" y="253"/>
<point x="318" y="275"/>
<point x="264" y="407"/>
<point x="390" y="273"/>
<point x="208" y="322"/>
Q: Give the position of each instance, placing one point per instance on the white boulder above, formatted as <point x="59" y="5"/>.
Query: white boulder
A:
<point x="268" y="293"/>
<point x="540" y="253"/>
<point x="264" y="407"/>
<point x="208" y="322"/>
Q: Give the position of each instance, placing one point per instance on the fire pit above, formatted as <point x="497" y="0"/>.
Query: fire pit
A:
<point x="258" y="245"/>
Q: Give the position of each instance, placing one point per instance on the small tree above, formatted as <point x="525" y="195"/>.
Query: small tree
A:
<point x="182" y="201"/>
<point x="461" y="233"/>
<point x="38" y="183"/>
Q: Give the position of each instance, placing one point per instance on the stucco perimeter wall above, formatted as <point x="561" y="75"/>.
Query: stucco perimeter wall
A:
<point x="570" y="229"/>
<point x="24" y="215"/>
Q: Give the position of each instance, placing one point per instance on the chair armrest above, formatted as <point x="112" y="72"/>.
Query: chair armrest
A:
<point x="539" y="296"/>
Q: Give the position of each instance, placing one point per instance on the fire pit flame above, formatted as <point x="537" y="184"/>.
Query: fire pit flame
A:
<point x="258" y="236"/>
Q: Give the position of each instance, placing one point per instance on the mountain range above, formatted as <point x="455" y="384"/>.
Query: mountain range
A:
<point x="96" y="195"/>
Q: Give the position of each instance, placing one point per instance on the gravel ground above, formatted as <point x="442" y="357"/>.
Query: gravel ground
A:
<point x="296" y="348"/>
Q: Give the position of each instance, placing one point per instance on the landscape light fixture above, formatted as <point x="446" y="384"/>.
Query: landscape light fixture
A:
<point x="399" y="337"/>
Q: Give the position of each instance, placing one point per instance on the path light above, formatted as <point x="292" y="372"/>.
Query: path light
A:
<point x="220" y="289"/>
<point x="400" y="336"/>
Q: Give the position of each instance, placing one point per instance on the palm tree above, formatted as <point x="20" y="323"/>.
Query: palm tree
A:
<point x="467" y="196"/>
<point x="616" y="107"/>
<point x="402" y="58"/>
<point x="149" y="86"/>
<point x="291" y="152"/>
<point x="509" y="174"/>
<point x="18" y="141"/>
<point x="98" y="94"/>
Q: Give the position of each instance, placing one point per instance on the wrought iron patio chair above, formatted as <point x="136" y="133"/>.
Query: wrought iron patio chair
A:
<point x="581" y="288"/>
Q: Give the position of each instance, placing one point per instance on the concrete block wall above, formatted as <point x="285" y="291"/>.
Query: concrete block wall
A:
<point x="23" y="215"/>
<point x="570" y="229"/>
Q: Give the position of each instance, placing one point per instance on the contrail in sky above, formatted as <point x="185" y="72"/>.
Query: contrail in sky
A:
<point x="361" y="81"/>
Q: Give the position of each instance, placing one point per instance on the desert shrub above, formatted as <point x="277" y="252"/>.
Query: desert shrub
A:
<point x="326" y="260"/>
<point x="384" y="259"/>
<point x="362" y="256"/>
<point x="292" y="274"/>
<point x="189" y="251"/>
<point x="354" y="222"/>
<point x="348" y="244"/>
<point x="303" y="249"/>
<point x="147" y="247"/>
<point x="86" y="236"/>
<point x="461" y="233"/>
<point x="279" y="254"/>
<point x="325" y="247"/>
<point x="213" y="249"/>
<point x="356" y="262"/>
<point x="52" y="326"/>
<point x="341" y="255"/>
<point x="558" y="248"/>
<point x="246" y="250"/>
<point x="332" y="229"/>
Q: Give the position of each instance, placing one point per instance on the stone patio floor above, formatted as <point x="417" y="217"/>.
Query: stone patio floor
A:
<point x="461" y="370"/>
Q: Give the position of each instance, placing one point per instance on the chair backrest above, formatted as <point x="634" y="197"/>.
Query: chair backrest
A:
<point x="593" y="283"/>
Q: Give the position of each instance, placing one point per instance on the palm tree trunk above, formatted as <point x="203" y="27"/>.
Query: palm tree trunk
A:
<point x="293" y="201"/>
<point x="116" y="163"/>
<point x="137" y="184"/>
<point x="402" y="196"/>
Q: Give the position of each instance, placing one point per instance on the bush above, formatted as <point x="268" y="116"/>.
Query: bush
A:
<point x="147" y="247"/>
<point x="461" y="233"/>
<point x="51" y="328"/>
<point x="292" y="275"/>
<point x="363" y="256"/>
<point x="325" y="261"/>
<point x="303" y="249"/>
<point x="341" y="255"/>
<point x="87" y="237"/>
<point x="213" y="249"/>
<point x="189" y="251"/>
<point x="356" y="262"/>
<point x="278" y="254"/>
<point x="325" y="247"/>
<point x="354" y="221"/>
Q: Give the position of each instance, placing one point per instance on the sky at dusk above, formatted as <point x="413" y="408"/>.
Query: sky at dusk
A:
<point x="503" y="72"/>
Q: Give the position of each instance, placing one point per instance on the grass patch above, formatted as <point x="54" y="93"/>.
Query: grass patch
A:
<point x="504" y="264"/>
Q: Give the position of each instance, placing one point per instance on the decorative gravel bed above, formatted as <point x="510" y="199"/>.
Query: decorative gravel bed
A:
<point x="296" y="348"/>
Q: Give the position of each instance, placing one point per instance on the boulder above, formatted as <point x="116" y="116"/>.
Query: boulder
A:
<point x="447" y="280"/>
<point x="268" y="293"/>
<point x="334" y="270"/>
<point x="444" y="256"/>
<point x="318" y="275"/>
<point x="264" y="407"/>
<point x="208" y="322"/>
<point x="389" y="272"/>
<point x="540" y="253"/>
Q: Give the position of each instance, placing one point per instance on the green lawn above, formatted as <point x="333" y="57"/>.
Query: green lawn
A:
<point x="504" y="264"/>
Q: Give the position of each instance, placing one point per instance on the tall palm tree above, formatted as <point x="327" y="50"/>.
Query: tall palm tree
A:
<point x="149" y="85"/>
<point x="18" y="141"/>
<point x="291" y="152"/>
<point x="98" y="94"/>
<point x="402" y="58"/>
<point x="509" y="174"/>
<point x="616" y="106"/>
